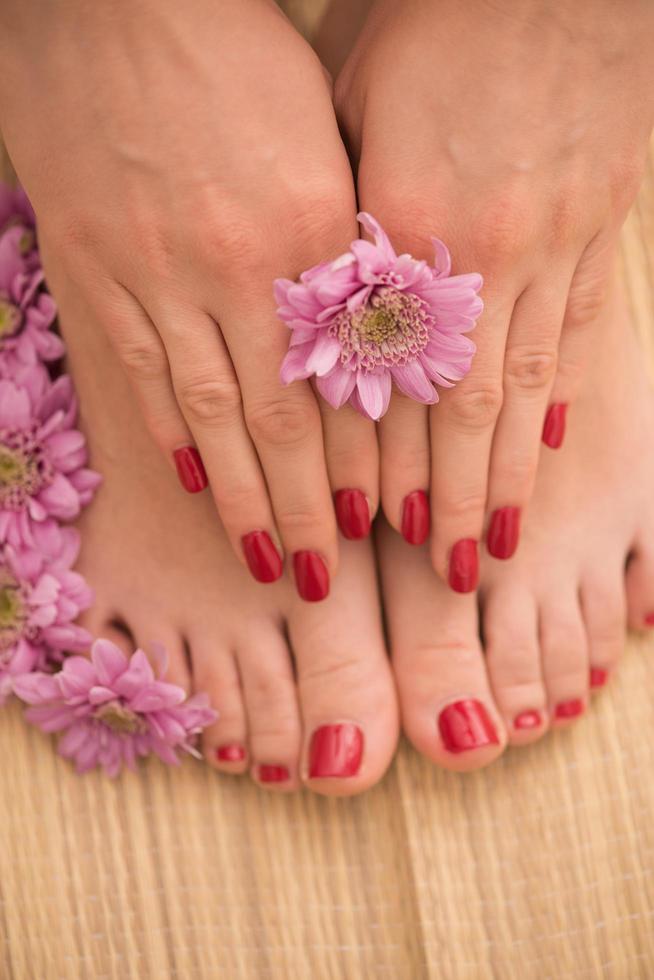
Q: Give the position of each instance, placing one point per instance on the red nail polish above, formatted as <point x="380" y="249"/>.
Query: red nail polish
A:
<point x="503" y="532"/>
<point x="352" y="514"/>
<point x="311" y="576"/>
<point x="569" y="709"/>
<point x="649" y="619"/>
<point x="464" y="566"/>
<point x="416" y="519"/>
<point x="230" y="753"/>
<point x="466" y="725"/>
<point x="335" y="751"/>
<point x="262" y="556"/>
<point x="527" y="719"/>
<point x="554" y="425"/>
<point x="598" y="677"/>
<point x="190" y="469"/>
<point x="273" y="774"/>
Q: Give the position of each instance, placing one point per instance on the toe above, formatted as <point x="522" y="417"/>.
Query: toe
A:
<point x="640" y="587"/>
<point x="215" y="672"/>
<point x="448" y="710"/>
<point x="347" y="696"/>
<point x="510" y="629"/>
<point x="564" y="653"/>
<point x="603" y="607"/>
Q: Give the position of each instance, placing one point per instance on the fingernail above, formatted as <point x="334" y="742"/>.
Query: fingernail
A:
<point x="464" y="566"/>
<point x="466" y="725"/>
<point x="598" y="677"/>
<point x="569" y="709"/>
<point x="503" y="532"/>
<point x="335" y="751"/>
<point x="649" y="619"/>
<point x="190" y="469"/>
<point x="554" y="425"/>
<point x="527" y="719"/>
<point x="273" y="774"/>
<point x="230" y="753"/>
<point x="311" y="576"/>
<point x="416" y="519"/>
<point x="352" y="514"/>
<point x="262" y="556"/>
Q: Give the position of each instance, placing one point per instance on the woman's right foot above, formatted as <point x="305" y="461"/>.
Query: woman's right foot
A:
<point x="553" y="618"/>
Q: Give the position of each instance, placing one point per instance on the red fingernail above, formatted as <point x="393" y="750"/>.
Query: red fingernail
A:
<point x="464" y="566"/>
<point x="649" y="619"/>
<point x="230" y="753"/>
<point x="262" y="556"/>
<point x="335" y="751"/>
<point x="352" y="514"/>
<point x="554" y="425"/>
<point x="527" y="719"/>
<point x="311" y="576"/>
<point x="416" y="519"/>
<point x="273" y="774"/>
<point x="466" y="725"/>
<point x="503" y="532"/>
<point x="569" y="709"/>
<point x="190" y="469"/>
<point x="598" y="677"/>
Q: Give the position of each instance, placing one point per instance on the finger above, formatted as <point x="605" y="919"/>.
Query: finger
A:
<point x="405" y="454"/>
<point x="352" y="455"/>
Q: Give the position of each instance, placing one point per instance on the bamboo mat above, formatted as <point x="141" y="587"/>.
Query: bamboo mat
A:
<point x="541" y="866"/>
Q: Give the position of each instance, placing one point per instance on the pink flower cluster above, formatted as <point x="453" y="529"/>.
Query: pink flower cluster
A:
<point x="110" y="709"/>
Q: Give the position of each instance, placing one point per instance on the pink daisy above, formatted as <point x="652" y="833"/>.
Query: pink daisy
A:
<point x="112" y="709"/>
<point x="40" y="597"/>
<point x="372" y="317"/>
<point x="42" y="457"/>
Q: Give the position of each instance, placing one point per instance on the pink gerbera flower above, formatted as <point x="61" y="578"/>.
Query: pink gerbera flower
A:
<point x="42" y="457"/>
<point x="40" y="597"/>
<point x="113" y="709"/>
<point x="372" y="317"/>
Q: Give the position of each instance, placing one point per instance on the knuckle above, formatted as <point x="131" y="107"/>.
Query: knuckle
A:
<point x="282" y="422"/>
<point x="503" y="229"/>
<point x="585" y="301"/>
<point x="142" y="361"/>
<point x="460" y="507"/>
<point x="213" y="401"/>
<point x="529" y="369"/>
<point x="475" y="408"/>
<point x="299" y="517"/>
<point x="235" y="241"/>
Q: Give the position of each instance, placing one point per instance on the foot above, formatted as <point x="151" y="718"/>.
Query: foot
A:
<point x="552" y="619"/>
<point x="304" y="691"/>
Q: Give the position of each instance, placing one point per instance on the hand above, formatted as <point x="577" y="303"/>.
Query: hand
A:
<point x="179" y="158"/>
<point x="516" y="133"/>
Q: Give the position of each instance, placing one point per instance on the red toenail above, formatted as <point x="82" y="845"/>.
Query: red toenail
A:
<point x="311" y="576"/>
<point x="554" y="427"/>
<point x="262" y="556"/>
<point x="335" y="751"/>
<point x="190" y="469"/>
<point x="598" y="677"/>
<point x="273" y="774"/>
<point x="503" y="532"/>
<point x="230" y="753"/>
<point x="527" y="719"/>
<point x="416" y="519"/>
<point x="352" y="514"/>
<point x="649" y="619"/>
<point x="466" y="725"/>
<point x="569" y="709"/>
<point x="464" y="566"/>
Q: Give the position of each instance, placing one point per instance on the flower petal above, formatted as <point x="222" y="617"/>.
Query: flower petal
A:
<point x="372" y="387"/>
<point x="412" y="380"/>
<point x="336" y="387"/>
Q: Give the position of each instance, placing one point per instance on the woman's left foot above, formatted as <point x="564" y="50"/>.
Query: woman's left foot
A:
<point x="552" y="619"/>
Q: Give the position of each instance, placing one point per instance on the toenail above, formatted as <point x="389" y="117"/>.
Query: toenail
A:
<point x="466" y="725"/>
<point x="311" y="576"/>
<point x="528" y="719"/>
<point x="649" y="619"/>
<point x="190" y="469"/>
<point x="262" y="556"/>
<point x="569" y="709"/>
<point x="273" y="774"/>
<point x="598" y="677"/>
<point x="503" y="532"/>
<point x="416" y="519"/>
<point x="230" y="753"/>
<point x="352" y="514"/>
<point x="464" y="566"/>
<point x="335" y="751"/>
<point x="554" y="426"/>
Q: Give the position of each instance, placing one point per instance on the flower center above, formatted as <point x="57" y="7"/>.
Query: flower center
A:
<point x="391" y="329"/>
<point x="13" y="612"/>
<point x="10" y="318"/>
<point x="120" y="719"/>
<point x="24" y="469"/>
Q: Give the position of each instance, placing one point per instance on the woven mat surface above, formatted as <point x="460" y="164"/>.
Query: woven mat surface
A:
<point x="541" y="866"/>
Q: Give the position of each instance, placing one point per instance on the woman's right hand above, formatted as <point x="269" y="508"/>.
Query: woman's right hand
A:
<point x="179" y="158"/>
